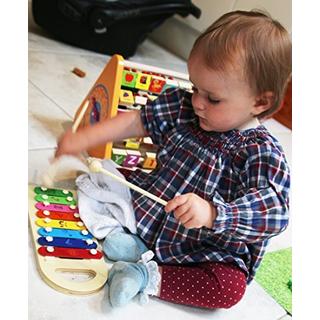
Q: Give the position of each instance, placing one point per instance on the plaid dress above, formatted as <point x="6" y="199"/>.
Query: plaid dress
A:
<point x="244" y="174"/>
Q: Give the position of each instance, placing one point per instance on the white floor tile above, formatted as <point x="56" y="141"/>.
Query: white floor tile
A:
<point x="52" y="74"/>
<point x="45" y="120"/>
<point x="38" y="163"/>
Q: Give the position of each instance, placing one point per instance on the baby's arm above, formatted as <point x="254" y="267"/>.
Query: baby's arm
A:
<point x="258" y="213"/>
<point x="260" y="209"/>
<point x="123" y="126"/>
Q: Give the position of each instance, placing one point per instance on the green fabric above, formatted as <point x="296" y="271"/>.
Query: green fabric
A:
<point x="274" y="275"/>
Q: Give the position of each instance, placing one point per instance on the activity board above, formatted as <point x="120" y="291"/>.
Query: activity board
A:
<point x="63" y="244"/>
<point x="124" y="86"/>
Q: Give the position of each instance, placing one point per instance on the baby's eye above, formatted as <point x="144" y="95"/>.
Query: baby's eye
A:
<point x="213" y="101"/>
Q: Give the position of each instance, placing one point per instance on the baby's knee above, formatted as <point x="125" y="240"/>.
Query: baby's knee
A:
<point x="224" y="294"/>
<point x="232" y="295"/>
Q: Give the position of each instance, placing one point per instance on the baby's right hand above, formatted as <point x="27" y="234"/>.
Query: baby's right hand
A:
<point x="69" y="143"/>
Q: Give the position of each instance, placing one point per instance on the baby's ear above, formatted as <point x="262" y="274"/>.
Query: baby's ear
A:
<point x="263" y="102"/>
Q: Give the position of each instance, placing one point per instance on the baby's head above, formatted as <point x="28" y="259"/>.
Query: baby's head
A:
<point x="247" y="54"/>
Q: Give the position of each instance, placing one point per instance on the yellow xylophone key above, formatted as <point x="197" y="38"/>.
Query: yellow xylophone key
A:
<point x="61" y="224"/>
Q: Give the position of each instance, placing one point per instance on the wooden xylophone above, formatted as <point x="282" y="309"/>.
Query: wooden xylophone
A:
<point x="62" y="242"/>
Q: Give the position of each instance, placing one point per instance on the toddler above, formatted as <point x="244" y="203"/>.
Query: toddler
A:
<point x="225" y="177"/>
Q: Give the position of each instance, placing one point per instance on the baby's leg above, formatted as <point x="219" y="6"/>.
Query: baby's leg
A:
<point x="206" y="285"/>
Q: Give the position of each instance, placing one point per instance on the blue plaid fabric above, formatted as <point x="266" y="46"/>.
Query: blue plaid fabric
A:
<point x="243" y="173"/>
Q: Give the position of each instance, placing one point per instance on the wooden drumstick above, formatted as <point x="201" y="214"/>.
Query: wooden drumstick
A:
<point x="80" y="116"/>
<point x="96" y="166"/>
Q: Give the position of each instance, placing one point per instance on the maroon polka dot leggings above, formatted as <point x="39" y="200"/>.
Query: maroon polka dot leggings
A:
<point x="205" y="285"/>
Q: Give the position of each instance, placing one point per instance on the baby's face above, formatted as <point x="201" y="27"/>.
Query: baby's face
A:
<point x="222" y="101"/>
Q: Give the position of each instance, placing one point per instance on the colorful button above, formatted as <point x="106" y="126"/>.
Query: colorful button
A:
<point x="132" y="158"/>
<point x="150" y="162"/>
<point x="143" y="81"/>
<point x="118" y="156"/>
<point x="157" y="85"/>
<point x="129" y="79"/>
<point x="126" y="97"/>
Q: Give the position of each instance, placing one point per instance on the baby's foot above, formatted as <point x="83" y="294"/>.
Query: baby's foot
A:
<point x="123" y="247"/>
<point x="125" y="281"/>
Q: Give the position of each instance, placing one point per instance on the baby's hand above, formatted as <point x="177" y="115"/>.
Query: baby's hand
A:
<point x="192" y="211"/>
<point x="70" y="143"/>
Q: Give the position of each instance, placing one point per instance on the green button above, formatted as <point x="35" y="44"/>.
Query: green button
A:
<point x="118" y="158"/>
<point x="129" y="79"/>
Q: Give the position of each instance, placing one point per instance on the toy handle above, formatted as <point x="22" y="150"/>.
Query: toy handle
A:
<point x="53" y="274"/>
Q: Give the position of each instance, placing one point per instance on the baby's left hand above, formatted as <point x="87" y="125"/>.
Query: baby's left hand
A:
<point x="192" y="211"/>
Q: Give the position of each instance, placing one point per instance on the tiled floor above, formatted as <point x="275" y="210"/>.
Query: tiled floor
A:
<point x="54" y="95"/>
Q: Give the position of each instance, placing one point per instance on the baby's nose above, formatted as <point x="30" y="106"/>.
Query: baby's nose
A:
<point x="198" y="103"/>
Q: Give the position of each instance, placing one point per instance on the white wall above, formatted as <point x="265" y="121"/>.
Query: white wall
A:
<point x="178" y="34"/>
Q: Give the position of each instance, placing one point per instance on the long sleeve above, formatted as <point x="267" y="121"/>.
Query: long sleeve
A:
<point x="260" y="208"/>
<point x="162" y="115"/>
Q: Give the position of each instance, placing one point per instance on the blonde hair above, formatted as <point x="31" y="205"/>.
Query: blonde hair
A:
<point x="262" y="44"/>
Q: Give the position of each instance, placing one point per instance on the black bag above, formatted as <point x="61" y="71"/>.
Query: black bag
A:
<point x="107" y="26"/>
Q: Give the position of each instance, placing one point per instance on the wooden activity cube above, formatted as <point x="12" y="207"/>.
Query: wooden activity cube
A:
<point x="124" y="86"/>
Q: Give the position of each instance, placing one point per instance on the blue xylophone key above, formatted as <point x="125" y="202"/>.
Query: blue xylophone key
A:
<point x="67" y="242"/>
<point x="65" y="233"/>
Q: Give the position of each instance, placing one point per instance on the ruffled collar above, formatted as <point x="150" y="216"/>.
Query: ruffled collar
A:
<point x="229" y="139"/>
